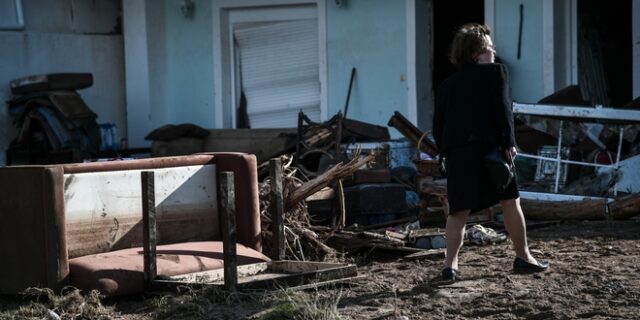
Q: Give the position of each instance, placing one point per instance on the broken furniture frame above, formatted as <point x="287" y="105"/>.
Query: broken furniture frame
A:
<point x="580" y="114"/>
<point x="264" y="275"/>
<point x="307" y="146"/>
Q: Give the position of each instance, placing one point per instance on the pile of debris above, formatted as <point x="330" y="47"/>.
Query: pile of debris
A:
<point x="362" y="204"/>
<point x="54" y="123"/>
<point x="333" y="211"/>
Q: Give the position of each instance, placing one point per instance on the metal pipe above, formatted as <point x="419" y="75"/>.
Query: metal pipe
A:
<point x="558" y="163"/>
<point x="617" y="165"/>
<point x="526" y="155"/>
<point x="346" y="104"/>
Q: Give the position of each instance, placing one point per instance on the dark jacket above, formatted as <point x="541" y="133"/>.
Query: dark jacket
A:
<point x="474" y="105"/>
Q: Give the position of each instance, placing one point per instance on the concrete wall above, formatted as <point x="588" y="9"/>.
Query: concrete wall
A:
<point x="369" y="35"/>
<point x="526" y="72"/>
<point x="66" y="36"/>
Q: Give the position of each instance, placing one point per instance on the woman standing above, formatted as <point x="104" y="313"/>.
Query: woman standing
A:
<point x="472" y="116"/>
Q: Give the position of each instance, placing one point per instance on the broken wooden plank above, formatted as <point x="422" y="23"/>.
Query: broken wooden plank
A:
<point x="333" y="283"/>
<point x="336" y="172"/>
<point x="279" y="274"/>
<point x="229" y="237"/>
<point x="398" y="249"/>
<point x="395" y="235"/>
<point x="373" y="235"/>
<point x="425" y="232"/>
<point x="313" y="237"/>
<point x="325" y="193"/>
<point x="347" y="240"/>
<point x="429" y="254"/>
<point x="149" y="226"/>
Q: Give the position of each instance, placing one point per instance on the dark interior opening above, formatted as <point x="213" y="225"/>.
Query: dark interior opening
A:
<point x="447" y="17"/>
<point x="609" y="24"/>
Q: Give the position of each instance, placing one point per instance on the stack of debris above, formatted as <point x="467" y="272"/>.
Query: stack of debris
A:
<point x="363" y="204"/>
<point x="601" y="142"/>
<point x="54" y="124"/>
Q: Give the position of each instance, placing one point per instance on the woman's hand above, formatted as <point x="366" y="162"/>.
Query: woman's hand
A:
<point x="510" y="153"/>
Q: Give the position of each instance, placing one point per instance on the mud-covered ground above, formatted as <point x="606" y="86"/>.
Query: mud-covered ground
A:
<point x="594" y="274"/>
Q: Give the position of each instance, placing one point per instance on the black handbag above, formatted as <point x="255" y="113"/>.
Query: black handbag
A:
<point x="500" y="169"/>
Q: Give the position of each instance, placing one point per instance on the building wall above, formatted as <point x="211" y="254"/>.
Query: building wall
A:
<point x="527" y="72"/>
<point x="159" y="80"/>
<point x="56" y="39"/>
<point x="369" y="35"/>
<point x="189" y="59"/>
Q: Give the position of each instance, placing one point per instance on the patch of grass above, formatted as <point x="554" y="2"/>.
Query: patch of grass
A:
<point x="40" y="303"/>
<point x="305" y="306"/>
<point x="208" y="303"/>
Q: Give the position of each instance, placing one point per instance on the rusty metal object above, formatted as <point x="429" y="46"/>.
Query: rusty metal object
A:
<point x="412" y="133"/>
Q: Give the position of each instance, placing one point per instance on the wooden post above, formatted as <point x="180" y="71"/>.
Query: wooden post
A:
<point x="276" y="209"/>
<point x="149" y="225"/>
<point x="229" y="237"/>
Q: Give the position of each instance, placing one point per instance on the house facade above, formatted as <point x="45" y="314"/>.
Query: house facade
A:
<point x="229" y="63"/>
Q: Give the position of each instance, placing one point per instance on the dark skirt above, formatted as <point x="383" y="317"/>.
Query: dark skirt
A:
<point x="469" y="186"/>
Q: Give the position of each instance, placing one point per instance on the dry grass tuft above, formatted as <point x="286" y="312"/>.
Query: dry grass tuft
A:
<point x="298" y="305"/>
<point x="207" y="303"/>
<point x="69" y="304"/>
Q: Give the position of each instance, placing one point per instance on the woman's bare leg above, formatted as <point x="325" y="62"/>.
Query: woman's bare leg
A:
<point x="515" y="224"/>
<point x="455" y="236"/>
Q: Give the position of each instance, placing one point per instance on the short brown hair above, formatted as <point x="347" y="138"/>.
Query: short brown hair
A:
<point x="468" y="42"/>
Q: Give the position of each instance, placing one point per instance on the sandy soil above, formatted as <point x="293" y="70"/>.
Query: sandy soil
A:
<point x="594" y="274"/>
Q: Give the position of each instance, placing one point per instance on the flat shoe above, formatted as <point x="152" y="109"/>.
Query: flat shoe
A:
<point x="450" y="274"/>
<point x="523" y="266"/>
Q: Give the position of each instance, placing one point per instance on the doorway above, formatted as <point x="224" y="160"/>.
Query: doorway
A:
<point x="269" y="61"/>
<point x="605" y="53"/>
<point x="447" y="17"/>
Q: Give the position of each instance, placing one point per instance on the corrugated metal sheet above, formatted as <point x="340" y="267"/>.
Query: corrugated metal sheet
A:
<point x="280" y="72"/>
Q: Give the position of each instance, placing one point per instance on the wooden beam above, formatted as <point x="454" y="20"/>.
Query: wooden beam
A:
<point x="147" y="179"/>
<point x="625" y="207"/>
<point x="587" y="209"/>
<point x="276" y="208"/>
<point x="229" y="236"/>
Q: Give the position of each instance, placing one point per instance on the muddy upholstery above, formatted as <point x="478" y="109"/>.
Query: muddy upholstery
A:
<point x="32" y="230"/>
<point x="122" y="272"/>
<point x="43" y="237"/>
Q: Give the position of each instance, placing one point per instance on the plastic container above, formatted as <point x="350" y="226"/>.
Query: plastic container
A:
<point x="390" y="154"/>
<point x="108" y="137"/>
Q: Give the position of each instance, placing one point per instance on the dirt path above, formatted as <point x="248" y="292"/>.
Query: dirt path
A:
<point x="594" y="274"/>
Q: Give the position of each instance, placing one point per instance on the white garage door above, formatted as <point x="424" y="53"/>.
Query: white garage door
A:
<point x="279" y="71"/>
